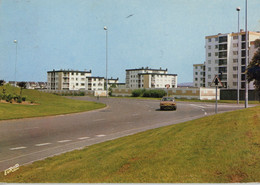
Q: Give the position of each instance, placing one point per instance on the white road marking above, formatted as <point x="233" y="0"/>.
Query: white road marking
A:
<point x="100" y="135"/>
<point x="197" y="106"/>
<point x="18" y="148"/>
<point x="99" y="120"/>
<point x="43" y="144"/>
<point x="81" y="138"/>
<point x="64" y="141"/>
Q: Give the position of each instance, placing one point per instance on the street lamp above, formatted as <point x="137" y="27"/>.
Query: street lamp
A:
<point x="16" y="42"/>
<point x="105" y="28"/>
<point x="238" y="60"/>
<point x="246" y="82"/>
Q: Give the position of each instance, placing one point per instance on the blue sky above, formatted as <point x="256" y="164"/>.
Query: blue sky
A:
<point x="68" y="34"/>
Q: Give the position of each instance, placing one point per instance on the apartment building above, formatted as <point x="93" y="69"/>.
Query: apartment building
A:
<point x="150" y="78"/>
<point x="95" y="83"/>
<point x="67" y="79"/>
<point x="226" y="56"/>
<point x="199" y="75"/>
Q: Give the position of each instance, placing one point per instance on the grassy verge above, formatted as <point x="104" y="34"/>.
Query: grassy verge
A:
<point x="46" y="104"/>
<point x="214" y="149"/>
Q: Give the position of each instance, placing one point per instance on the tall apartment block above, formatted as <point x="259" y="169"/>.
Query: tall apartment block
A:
<point x="150" y="78"/>
<point x="226" y="55"/>
<point x="67" y="80"/>
<point x="199" y="75"/>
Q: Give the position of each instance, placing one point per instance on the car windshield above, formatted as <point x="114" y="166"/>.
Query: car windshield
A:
<point x="167" y="99"/>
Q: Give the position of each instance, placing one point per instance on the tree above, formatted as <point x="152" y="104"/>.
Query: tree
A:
<point x="253" y="69"/>
<point x="2" y="82"/>
<point x="22" y="85"/>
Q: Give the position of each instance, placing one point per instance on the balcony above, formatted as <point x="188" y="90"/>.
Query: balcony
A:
<point x="222" y="39"/>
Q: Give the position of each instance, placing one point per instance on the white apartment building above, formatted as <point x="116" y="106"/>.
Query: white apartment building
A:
<point x="150" y="78"/>
<point x="199" y="75"/>
<point x="67" y="80"/>
<point x="95" y="83"/>
<point x="225" y="54"/>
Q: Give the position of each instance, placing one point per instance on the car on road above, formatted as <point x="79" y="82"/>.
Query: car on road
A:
<point x="168" y="103"/>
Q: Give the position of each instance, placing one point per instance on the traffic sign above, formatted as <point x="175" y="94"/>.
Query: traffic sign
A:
<point x="216" y="82"/>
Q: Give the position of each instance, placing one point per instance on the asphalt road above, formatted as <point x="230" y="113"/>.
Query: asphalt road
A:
<point x="26" y="140"/>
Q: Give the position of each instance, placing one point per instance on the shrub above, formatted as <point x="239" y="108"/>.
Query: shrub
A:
<point x="138" y="92"/>
<point x="154" y="93"/>
<point x="9" y="97"/>
<point x="23" y="98"/>
<point x="81" y="93"/>
<point x="19" y="100"/>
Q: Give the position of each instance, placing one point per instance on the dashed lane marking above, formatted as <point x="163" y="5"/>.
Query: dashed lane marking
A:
<point x="43" y="144"/>
<point x="101" y="135"/>
<point x="64" y="141"/>
<point x="82" y="138"/>
<point x="18" y="148"/>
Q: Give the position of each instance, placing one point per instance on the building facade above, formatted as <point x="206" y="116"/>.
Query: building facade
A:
<point x="95" y="83"/>
<point x="199" y="75"/>
<point x="225" y="57"/>
<point x="150" y="78"/>
<point x="67" y="80"/>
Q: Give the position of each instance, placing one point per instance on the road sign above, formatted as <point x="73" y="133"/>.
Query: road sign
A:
<point x="216" y="82"/>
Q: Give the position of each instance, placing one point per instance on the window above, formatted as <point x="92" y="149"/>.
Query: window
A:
<point x="235" y="68"/>
<point x="235" y="52"/>
<point x="209" y="39"/>
<point x="234" y="75"/>
<point x="209" y="76"/>
<point x="235" y="45"/>
<point x="216" y="61"/>
<point x="216" y="46"/>
<point x="196" y="73"/>
<point x="209" y="54"/>
<point x="235" y="37"/>
<point x="209" y="61"/>
<point x="209" y="69"/>
<point x="82" y="84"/>
<point x="196" y="79"/>
<point x="209" y="47"/>
<point x="235" y="60"/>
<point x="77" y="84"/>
<point x="216" y="54"/>
<point x="234" y="83"/>
<point x="216" y="39"/>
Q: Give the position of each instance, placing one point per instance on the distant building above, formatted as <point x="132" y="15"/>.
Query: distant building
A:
<point x="150" y="78"/>
<point x="199" y="75"/>
<point x="68" y="80"/>
<point x="95" y="83"/>
<point x="112" y="82"/>
<point x="226" y="56"/>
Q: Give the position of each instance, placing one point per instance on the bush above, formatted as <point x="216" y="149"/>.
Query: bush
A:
<point x="154" y="93"/>
<point x="23" y="98"/>
<point x="138" y="92"/>
<point x="19" y="100"/>
<point x="9" y="98"/>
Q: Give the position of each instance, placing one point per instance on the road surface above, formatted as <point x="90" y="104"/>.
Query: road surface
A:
<point x="23" y="141"/>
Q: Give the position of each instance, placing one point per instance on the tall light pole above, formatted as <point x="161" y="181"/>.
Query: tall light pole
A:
<point x="16" y="42"/>
<point x="246" y="82"/>
<point x="238" y="60"/>
<point x="105" y="28"/>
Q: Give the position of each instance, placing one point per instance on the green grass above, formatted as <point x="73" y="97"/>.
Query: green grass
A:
<point x="221" y="148"/>
<point x="46" y="105"/>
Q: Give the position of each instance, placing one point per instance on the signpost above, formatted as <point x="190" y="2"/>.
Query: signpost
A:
<point x="217" y="83"/>
<point x="167" y="86"/>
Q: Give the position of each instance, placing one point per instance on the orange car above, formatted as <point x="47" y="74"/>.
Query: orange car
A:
<point x="168" y="103"/>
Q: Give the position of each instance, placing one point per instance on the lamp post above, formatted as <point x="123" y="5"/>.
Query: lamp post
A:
<point x="105" y="28"/>
<point x="238" y="60"/>
<point x="246" y="82"/>
<point x="16" y="42"/>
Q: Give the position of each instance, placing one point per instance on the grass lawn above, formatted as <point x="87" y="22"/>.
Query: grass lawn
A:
<point x="46" y="104"/>
<point x="221" y="148"/>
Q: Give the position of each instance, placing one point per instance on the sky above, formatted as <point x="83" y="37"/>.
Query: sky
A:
<point x="69" y="34"/>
